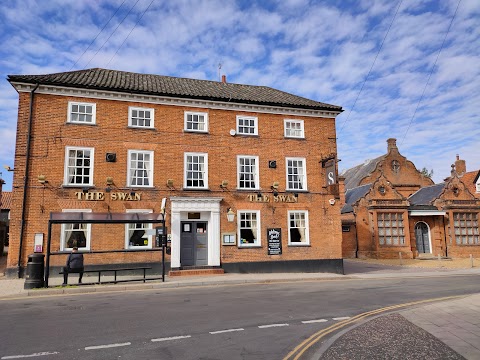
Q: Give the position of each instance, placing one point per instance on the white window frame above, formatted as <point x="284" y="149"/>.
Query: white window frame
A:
<point x="63" y="246"/>
<point x="478" y="185"/>
<point x="307" y="226"/>
<point x="258" y="242"/>
<point x="66" y="166"/>
<point x="192" y="113"/>
<point x="296" y="122"/>
<point x="303" y="174"/>
<point x="70" y="111"/>
<point x="146" y="226"/>
<point x="248" y="118"/>
<point x="256" y="176"/>
<point x="131" y="109"/>
<point x="205" y="171"/>
<point x="149" y="170"/>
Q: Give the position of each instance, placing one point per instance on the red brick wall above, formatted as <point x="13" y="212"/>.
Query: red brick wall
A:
<point x="51" y="134"/>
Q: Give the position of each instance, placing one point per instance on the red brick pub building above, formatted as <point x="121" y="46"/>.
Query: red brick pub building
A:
<point x="243" y="168"/>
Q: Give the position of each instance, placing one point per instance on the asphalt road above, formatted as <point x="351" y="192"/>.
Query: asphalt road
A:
<point x="262" y="321"/>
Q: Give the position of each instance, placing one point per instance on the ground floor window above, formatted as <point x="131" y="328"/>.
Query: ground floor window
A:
<point x="135" y="234"/>
<point x="75" y="235"/>
<point x="298" y="228"/>
<point x="390" y="229"/>
<point x="466" y="228"/>
<point x="249" y="228"/>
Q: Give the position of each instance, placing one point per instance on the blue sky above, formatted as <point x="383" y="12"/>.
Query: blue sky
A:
<point x="400" y="69"/>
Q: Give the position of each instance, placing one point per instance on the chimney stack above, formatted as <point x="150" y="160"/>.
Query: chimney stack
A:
<point x="392" y="144"/>
<point x="460" y="166"/>
<point x="224" y="79"/>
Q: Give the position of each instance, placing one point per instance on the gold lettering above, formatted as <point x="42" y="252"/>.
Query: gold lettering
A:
<point x="282" y="198"/>
<point x="129" y="197"/>
<point x="79" y="195"/>
<point x="113" y="196"/>
<point x="89" y="196"/>
<point x="265" y="198"/>
<point x="99" y="196"/>
<point x="251" y="197"/>
<point x="121" y="196"/>
<point x="137" y="196"/>
<point x="295" y="199"/>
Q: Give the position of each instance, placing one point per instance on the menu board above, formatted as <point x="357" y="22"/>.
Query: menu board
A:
<point x="274" y="237"/>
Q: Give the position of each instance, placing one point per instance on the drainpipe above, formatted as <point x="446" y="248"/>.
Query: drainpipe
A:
<point x="356" y="235"/>
<point x="445" y="235"/>
<point x="25" y="179"/>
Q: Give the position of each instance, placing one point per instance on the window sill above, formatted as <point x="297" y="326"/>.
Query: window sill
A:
<point x="195" y="132"/>
<point x="77" y="186"/>
<point x="80" y="123"/>
<point x="196" y="189"/>
<point x="141" y="128"/>
<point x="250" y="246"/>
<point x="247" y="135"/>
<point x="299" y="245"/>
<point x="294" y="138"/>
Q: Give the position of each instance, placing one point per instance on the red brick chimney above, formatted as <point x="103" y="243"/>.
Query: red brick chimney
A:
<point x="224" y="79"/>
<point x="392" y="144"/>
<point x="460" y="166"/>
<point x="341" y="189"/>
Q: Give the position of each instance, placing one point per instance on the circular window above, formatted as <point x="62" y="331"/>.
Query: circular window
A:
<point x="382" y="190"/>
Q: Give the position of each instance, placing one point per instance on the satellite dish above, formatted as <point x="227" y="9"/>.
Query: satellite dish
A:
<point x="232" y="132"/>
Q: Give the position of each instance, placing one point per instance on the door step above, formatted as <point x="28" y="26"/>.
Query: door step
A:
<point x="193" y="272"/>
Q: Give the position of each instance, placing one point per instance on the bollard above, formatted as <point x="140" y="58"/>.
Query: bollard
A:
<point x="471" y="260"/>
<point x="439" y="257"/>
<point x="400" y="256"/>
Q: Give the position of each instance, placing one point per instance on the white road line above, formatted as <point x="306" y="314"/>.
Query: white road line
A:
<point x="225" y="331"/>
<point x="172" y="338"/>
<point x="271" y="325"/>
<point x="27" y="356"/>
<point x="341" y="318"/>
<point x="314" y="321"/>
<point x="106" y="346"/>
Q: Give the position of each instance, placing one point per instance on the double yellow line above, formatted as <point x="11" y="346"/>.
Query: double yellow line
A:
<point x="301" y="348"/>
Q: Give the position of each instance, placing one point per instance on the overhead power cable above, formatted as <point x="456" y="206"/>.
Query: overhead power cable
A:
<point x="103" y="28"/>
<point x="140" y="18"/>
<point x="371" y="67"/>
<point x="113" y="32"/>
<point x="431" y="72"/>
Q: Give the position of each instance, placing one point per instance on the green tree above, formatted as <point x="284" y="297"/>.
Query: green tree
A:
<point x="426" y="173"/>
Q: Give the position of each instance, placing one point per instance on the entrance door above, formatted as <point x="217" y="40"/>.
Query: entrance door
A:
<point x="193" y="243"/>
<point x="421" y="236"/>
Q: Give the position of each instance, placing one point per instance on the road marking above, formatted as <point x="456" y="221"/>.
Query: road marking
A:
<point x="27" y="356"/>
<point x="106" y="346"/>
<point x="271" y="325"/>
<point x="314" y="321"/>
<point x="341" y="318"/>
<point x="225" y="331"/>
<point x="301" y="348"/>
<point x="172" y="338"/>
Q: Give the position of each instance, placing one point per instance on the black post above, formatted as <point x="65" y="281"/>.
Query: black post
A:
<point x="164" y="243"/>
<point x="47" y="263"/>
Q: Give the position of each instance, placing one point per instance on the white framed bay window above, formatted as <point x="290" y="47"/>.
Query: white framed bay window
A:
<point x="75" y="235"/>
<point x="298" y="233"/>
<point x="136" y="234"/>
<point x="248" y="224"/>
<point x="140" y="168"/>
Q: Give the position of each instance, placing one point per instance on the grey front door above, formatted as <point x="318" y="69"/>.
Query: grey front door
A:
<point x="421" y="236"/>
<point x="194" y="243"/>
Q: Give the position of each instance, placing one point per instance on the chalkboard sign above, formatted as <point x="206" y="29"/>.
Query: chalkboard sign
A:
<point x="274" y="237"/>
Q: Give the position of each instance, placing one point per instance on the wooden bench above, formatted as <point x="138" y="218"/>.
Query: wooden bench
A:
<point x="115" y="270"/>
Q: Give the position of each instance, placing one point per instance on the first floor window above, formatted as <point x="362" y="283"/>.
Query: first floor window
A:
<point x="247" y="172"/>
<point x="75" y="235"/>
<point x="249" y="228"/>
<point x="466" y="228"/>
<point x="140" y="168"/>
<point x="298" y="227"/>
<point x="196" y="170"/>
<point x="390" y="229"/>
<point x="81" y="113"/>
<point x="136" y="236"/>
<point x="296" y="174"/>
<point x="78" y="166"/>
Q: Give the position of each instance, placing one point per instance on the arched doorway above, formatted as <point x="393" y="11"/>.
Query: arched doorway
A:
<point x="422" y="238"/>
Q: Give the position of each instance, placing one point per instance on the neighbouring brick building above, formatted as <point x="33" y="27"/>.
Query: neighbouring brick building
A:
<point x="389" y="207"/>
<point x="110" y="141"/>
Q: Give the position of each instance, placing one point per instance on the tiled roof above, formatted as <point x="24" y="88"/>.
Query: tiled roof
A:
<point x="352" y="195"/>
<point x="354" y="175"/>
<point x="121" y="81"/>
<point x="426" y="195"/>
<point x="6" y="200"/>
<point x="469" y="179"/>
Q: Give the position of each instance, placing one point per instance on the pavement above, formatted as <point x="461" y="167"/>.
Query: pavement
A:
<point x="448" y="329"/>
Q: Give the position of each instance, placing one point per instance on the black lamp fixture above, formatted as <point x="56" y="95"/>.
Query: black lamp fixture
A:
<point x="295" y="194"/>
<point x="85" y="190"/>
<point x="259" y="195"/>
<point x="132" y="193"/>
